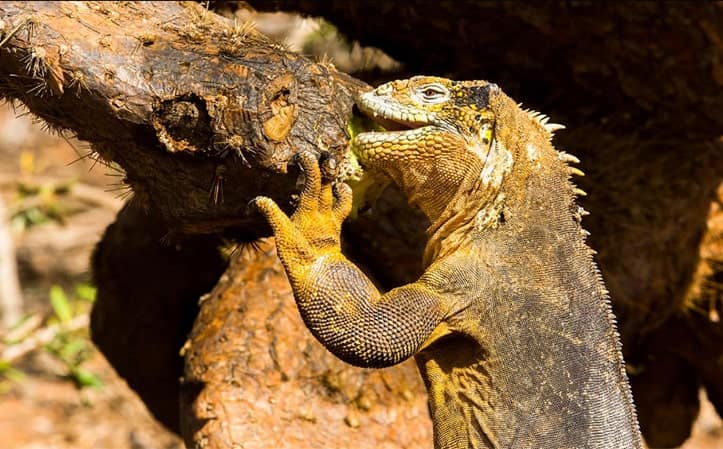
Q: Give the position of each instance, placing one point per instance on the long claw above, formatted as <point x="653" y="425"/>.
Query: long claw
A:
<point x="343" y="195"/>
<point x="276" y="218"/>
<point x="327" y="167"/>
<point x="291" y="244"/>
<point x="309" y="198"/>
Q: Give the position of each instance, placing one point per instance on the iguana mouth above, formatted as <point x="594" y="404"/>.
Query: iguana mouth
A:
<point x="390" y="120"/>
<point x="395" y="125"/>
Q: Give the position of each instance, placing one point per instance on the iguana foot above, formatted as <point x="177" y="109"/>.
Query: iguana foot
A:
<point x="314" y="229"/>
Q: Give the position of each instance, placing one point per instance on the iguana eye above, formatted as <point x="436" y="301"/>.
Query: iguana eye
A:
<point x="432" y="93"/>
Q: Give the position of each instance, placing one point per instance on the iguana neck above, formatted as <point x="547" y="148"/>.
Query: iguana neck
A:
<point x="476" y="205"/>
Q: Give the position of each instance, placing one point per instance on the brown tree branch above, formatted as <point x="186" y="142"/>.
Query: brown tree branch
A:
<point x="260" y="379"/>
<point x="202" y="114"/>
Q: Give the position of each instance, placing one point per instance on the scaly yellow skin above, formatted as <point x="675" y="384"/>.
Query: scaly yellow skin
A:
<point x="510" y="323"/>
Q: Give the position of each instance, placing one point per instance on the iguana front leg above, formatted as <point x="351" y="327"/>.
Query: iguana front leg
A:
<point x="338" y="303"/>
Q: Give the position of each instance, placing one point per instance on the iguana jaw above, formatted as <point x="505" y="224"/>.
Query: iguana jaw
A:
<point x="393" y="125"/>
<point x="397" y="125"/>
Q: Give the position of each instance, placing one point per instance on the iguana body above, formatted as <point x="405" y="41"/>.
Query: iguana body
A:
<point x="510" y="323"/>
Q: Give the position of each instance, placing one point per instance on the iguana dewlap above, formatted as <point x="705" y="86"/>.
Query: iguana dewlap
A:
<point x="510" y="323"/>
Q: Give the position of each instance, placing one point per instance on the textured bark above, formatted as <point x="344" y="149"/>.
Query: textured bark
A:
<point x="201" y="115"/>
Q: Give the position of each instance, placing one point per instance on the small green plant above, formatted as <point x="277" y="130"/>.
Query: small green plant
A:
<point x="9" y="375"/>
<point x="72" y="347"/>
<point x="39" y="204"/>
<point x="65" y="337"/>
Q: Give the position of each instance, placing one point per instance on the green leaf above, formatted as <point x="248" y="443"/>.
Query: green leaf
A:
<point x="60" y="304"/>
<point x="86" y="378"/>
<point x="10" y="372"/>
<point x="12" y="336"/>
<point x="4" y="366"/>
<point x="35" y="216"/>
<point x="86" y="292"/>
<point x="71" y="349"/>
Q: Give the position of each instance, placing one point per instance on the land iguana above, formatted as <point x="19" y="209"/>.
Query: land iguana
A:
<point x="510" y="323"/>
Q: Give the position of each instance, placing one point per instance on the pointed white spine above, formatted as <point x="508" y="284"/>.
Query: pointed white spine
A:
<point x="567" y="157"/>
<point x="552" y="127"/>
<point x="575" y="171"/>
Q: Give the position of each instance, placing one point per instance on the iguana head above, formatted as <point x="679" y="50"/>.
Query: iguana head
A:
<point x="438" y="140"/>
<point x="459" y="150"/>
<point x="460" y="107"/>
